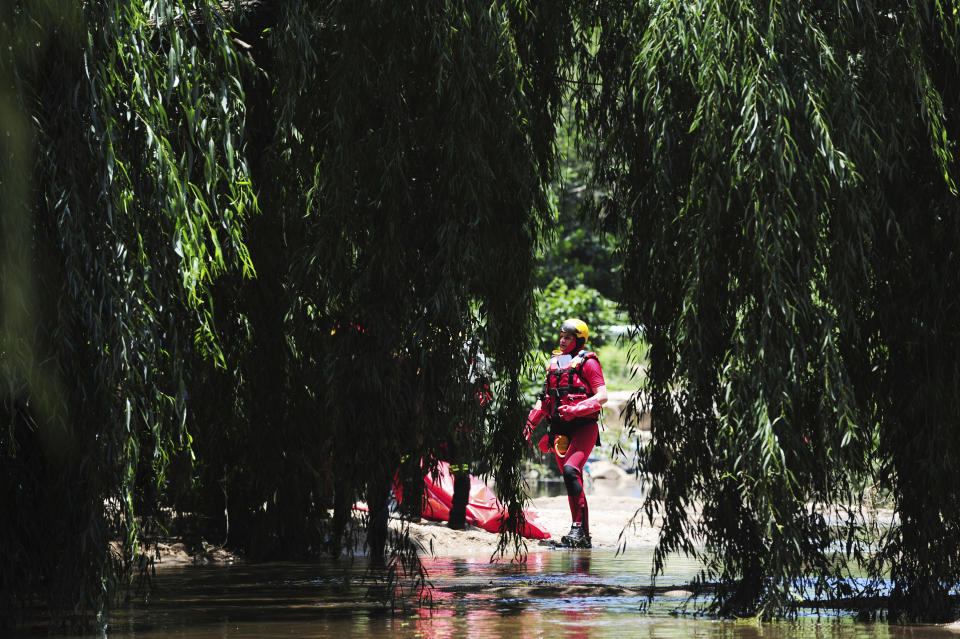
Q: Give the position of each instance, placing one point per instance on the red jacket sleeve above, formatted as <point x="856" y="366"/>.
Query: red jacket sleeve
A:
<point x="593" y="372"/>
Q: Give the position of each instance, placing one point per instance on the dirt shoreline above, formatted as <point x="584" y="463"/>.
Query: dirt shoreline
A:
<point x="616" y="522"/>
<point x="610" y="527"/>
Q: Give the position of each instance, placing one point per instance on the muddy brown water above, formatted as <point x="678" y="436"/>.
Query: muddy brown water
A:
<point x="556" y="594"/>
<point x="584" y="594"/>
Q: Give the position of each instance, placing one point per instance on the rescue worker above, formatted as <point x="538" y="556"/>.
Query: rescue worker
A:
<point x="573" y="396"/>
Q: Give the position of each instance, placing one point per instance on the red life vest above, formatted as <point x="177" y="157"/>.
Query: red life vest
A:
<point x="567" y="385"/>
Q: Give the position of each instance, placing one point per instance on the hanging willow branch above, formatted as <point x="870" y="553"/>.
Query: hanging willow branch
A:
<point x="758" y="159"/>
<point x="274" y="241"/>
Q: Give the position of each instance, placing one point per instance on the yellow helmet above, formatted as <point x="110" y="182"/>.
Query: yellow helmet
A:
<point x="577" y="328"/>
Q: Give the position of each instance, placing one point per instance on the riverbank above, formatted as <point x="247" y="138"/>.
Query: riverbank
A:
<point x="616" y="522"/>
<point x="613" y="524"/>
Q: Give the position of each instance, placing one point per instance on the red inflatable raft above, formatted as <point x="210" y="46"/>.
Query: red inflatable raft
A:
<point x="484" y="510"/>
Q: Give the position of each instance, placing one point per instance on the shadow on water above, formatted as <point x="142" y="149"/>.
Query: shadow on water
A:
<point x="557" y="593"/>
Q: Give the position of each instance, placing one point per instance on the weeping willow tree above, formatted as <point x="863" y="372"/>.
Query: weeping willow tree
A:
<point x="252" y="253"/>
<point x="123" y="199"/>
<point x="783" y="177"/>
<point x="252" y="256"/>
<point x="396" y="247"/>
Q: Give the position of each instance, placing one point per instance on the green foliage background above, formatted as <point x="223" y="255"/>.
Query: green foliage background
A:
<point x="581" y="252"/>
<point x="559" y="301"/>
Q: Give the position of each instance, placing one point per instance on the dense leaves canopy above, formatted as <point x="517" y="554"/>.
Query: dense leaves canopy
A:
<point x="784" y="180"/>
<point x="252" y="251"/>
<point x="252" y="257"/>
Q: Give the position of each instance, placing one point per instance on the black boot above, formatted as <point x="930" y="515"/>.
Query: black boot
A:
<point x="461" y="494"/>
<point x="458" y="520"/>
<point x="576" y="538"/>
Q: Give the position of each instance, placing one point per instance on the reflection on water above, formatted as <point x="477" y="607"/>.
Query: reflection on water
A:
<point x="557" y="594"/>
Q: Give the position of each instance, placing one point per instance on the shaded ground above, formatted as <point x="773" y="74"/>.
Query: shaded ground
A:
<point x="609" y="519"/>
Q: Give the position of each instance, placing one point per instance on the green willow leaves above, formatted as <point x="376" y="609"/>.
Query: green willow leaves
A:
<point x="252" y="253"/>
<point x="126" y="212"/>
<point x="254" y="257"/>
<point x="783" y="177"/>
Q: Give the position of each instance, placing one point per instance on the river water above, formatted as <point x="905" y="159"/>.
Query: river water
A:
<point x="559" y="594"/>
<point x="556" y="594"/>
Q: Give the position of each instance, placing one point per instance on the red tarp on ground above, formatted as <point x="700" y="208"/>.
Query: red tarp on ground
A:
<point x="484" y="510"/>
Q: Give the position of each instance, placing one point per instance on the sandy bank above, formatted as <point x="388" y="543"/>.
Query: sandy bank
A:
<point x="610" y="527"/>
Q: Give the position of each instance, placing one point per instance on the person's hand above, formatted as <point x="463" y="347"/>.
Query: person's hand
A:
<point x="588" y="406"/>
<point x="534" y="418"/>
<point x="545" y="444"/>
